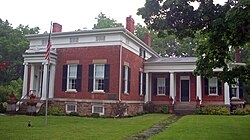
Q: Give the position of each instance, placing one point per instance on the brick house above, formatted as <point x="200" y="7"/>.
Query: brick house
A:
<point x="92" y="69"/>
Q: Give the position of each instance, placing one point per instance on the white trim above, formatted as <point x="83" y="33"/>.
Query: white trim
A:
<point x="216" y="94"/>
<point x="141" y="83"/>
<point x="94" y="77"/>
<point x="226" y="94"/>
<point x="103" y="109"/>
<point x="69" y="111"/>
<point x="95" y="101"/>
<point x="185" y="78"/>
<point x="162" y="79"/>
<point x="68" y="78"/>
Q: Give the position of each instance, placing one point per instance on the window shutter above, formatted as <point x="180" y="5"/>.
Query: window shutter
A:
<point x="167" y="86"/>
<point x="106" y="77"/>
<point x="206" y="86"/>
<point x="219" y="87"/>
<point x="144" y="84"/>
<point x="139" y="81"/>
<point x="79" y="78"/>
<point x="129" y="76"/>
<point x="91" y="78"/>
<point x="240" y="89"/>
<point x="64" y="77"/>
<point x="230" y="92"/>
<point x="155" y="85"/>
<point x="144" y="54"/>
<point x="123" y="79"/>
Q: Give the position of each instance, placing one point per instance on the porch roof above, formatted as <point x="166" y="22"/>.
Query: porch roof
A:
<point x="171" y="60"/>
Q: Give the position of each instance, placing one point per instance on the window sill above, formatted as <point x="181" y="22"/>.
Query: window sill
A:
<point x="126" y="93"/>
<point x="71" y="91"/>
<point x="235" y="98"/>
<point x="97" y="92"/>
<point x="213" y="95"/>
<point x="161" y="95"/>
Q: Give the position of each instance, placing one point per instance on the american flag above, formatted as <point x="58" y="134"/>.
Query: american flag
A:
<point x="48" y="47"/>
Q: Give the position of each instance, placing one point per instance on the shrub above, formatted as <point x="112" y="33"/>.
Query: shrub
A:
<point x="164" y="109"/>
<point x="242" y="111"/>
<point x="149" y="107"/>
<point x="55" y="110"/>
<point x="95" y="115"/>
<point x="215" y="110"/>
<point x="73" y="114"/>
<point x="198" y="111"/>
<point x="2" y="109"/>
<point x="119" y="108"/>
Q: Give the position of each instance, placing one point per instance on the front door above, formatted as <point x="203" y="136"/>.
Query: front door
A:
<point x="185" y="90"/>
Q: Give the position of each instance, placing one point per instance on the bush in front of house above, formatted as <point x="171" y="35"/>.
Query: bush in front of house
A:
<point x="119" y="109"/>
<point x="54" y="110"/>
<point x="95" y="115"/>
<point x="215" y="110"/>
<point x="164" y="109"/>
<point x="242" y="111"/>
<point x="73" y="114"/>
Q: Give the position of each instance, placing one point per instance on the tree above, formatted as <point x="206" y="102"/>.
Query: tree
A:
<point x="105" y="22"/>
<point x="222" y="29"/>
<point x="167" y="45"/>
<point x="13" y="44"/>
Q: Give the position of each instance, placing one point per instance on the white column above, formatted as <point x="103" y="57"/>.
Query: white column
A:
<point x="52" y="80"/>
<point x="25" y="80"/>
<point x="150" y="87"/>
<point x="147" y="88"/>
<point x="226" y="94"/>
<point x="32" y="76"/>
<point x="44" y="88"/>
<point x="172" y="86"/>
<point x="198" y="88"/>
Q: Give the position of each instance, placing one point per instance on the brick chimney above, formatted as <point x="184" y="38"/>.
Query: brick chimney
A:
<point x="237" y="56"/>
<point x="57" y="27"/>
<point x="147" y="39"/>
<point x="130" y="24"/>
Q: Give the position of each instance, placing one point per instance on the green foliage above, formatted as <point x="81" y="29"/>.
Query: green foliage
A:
<point x="13" y="44"/>
<point x="73" y="114"/>
<point x="118" y="109"/>
<point x="242" y="111"/>
<point x="54" y="110"/>
<point x="2" y="109"/>
<point x="222" y="29"/>
<point x="15" y="87"/>
<point x="104" y="22"/>
<point x="164" y="109"/>
<point x="215" y="110"/>
<point x="4" y="92"/>
<point x="95" y="115"/>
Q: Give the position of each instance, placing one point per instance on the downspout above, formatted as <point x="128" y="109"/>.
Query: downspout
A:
<point x="120" y="74"/>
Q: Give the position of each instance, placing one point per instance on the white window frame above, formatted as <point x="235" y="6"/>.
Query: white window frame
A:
<point x="100" y="38"/>
<point x="236" y="87"/>
<point x="141" y="83"/>
<point x="68" y="77"/>
<point x="126" y="80"/>
<point x="95" y="77"/>
<point x="103" y="109"/>
<point x="69" y="111"/>
<point x="161" y="85"/>
<point x="209" y="93"/>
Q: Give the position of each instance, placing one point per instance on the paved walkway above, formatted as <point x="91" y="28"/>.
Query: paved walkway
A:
<point x="155" y="129"/>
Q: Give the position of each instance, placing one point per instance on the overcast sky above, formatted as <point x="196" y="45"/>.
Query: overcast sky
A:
<point x="71" y="14"/>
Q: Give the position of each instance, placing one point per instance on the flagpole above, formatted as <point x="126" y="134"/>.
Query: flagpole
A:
<point x="48" y="76"/>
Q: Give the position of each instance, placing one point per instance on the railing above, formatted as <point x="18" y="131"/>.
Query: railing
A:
<point x="19" y="102"/>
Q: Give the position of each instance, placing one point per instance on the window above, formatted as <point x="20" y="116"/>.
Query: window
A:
<point x="126" y="79"/>
<point x="44" y="42"/>
<point x="98" y="80"/>
<point x="142" y="53"/>
<point x="100" y="38"/>
<point x="99" y="77"/>
<point x="213" y="86"/>
<point x="72" y="76"/>
<point x="98" y="109"/>
<point x="161" y="86"/>
<point x="141" y="83"/>
<point x="235" y="91"/>
<point x="73" y="39"/>
<point x="71" y="108"/>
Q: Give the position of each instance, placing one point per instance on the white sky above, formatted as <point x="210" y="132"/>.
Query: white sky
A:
<point x="72" y="15"/>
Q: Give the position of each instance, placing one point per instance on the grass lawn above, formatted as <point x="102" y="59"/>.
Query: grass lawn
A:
<point x="72" y="128"/>
<point x="202" y="127"/>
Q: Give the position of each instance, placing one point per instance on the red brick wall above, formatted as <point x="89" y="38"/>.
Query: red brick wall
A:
<point x="209" y="98"/>
<point x="135" y="63"/>
<point x="86" y="55"/>
<point x="154" y="97"/>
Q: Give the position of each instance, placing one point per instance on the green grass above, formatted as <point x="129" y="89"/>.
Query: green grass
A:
<point x="204" y="127"/>
<point x="73" y="128"/>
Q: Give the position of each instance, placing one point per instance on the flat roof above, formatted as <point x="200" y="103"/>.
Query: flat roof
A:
<point x="171" y="60"/>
